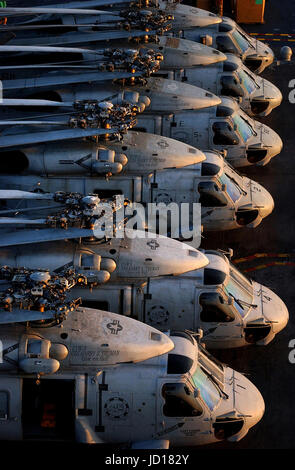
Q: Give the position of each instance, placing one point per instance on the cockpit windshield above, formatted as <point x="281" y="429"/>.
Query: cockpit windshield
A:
<point x="232" y="188"/>
<point x="208" y="390"/>
<point x="241" y="40"/>
<point x="241" y="291"/>
<point x="247" y="81"/>
<point x="243" y="127"/>
<point x="239" y="277"/>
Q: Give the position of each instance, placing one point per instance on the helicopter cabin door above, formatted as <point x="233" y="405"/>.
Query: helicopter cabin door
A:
<point x="10" y="409"/>
<point x="48" y="409"/>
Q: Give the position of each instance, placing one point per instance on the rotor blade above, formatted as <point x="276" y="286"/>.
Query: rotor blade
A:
<point x="46" y="81"/>
<point x="18" y="316"/>
<point x="18" y="221"/>
<point x="32" y="27"/>
<point x="52" y="11"/>
<point x="25" y="237"/>
<point x="33" y="123"/>
<point x="29" y="209"/>
<point x="90" y="4"/>
<point x="28" y="102"/>
<point x="66" y="50"/>
<point x="15" y="140"/>
<point x="82" y="38"/>
<point x="17" y="194"/>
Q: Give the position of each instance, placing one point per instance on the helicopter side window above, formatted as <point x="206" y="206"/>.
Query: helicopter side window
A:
<point x="224" y="134"/>
<point x="209" y="169"/>
<point x="213" y="277"/>
<point x="178" y="364"/>
<point x="229" y="66"/>
<point x="225" y="44"/>
<point x="211" y="195"/>
<point x="180" y="401"/>
<point x="214" y="309"/>
<point x="231" y="86"/>
<point x="224" y="27"/>
<point x="4" y="405"/>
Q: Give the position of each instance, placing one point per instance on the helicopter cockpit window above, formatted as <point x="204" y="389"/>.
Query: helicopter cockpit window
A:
<point x="211" y="195"/>
<point x="243" y="127"/>
<point x="232" y="188"/>
<point x="208" y="390"/>
<point x="4" y="405"/>
<point x="241" y="294"/>
<point x="247" y="80"/>
<point x="224" y="134"/>
<point x="241" y="40"/>
<point x="241" y="279"/>
<point x="214" y="308"/>
<point x="231" y="86"/>
<point x="180" y="401"/>
<point x="225" y="44"/>
<point x="179" y="364"/>
<point x="213" y="277"/>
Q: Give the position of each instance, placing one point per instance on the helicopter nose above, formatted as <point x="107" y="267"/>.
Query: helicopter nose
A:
<point x="263" y="199"/>
<point x="249" y="404"/>
<point x="273" y="308"/>
<point x="272" y="142"/>
<point x="263" y="102"/>
<point x="273" y="94"/>
<point x="266" y="54"/>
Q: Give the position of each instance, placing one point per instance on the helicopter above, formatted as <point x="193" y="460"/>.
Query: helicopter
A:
<point x="77" y="13"/>
<point x="164" y="94"/>
<point x="232" y="310"/>
<point x="127" y="24"/>
<point x="225" y="126"/>
<point x="184" y="398"/>
<point x="228" y="200"/>
<point x="44" y="334"/>
<point x="255" y="95"/>
<point x="229" y="37"/>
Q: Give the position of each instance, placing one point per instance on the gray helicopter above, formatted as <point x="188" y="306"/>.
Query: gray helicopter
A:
<point x="44" y="334"/>
<point x="228" y="200"/>
<point x="256" y="95"/>
<point x="164" y="95"/>
<point x="184" y="398"/>
<point x="224" y="126"/>
<point x="229" y="37"/>
<point x="127" y="24"/>
<point x="231" y="310"/>
<point x="75" y="13"/>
